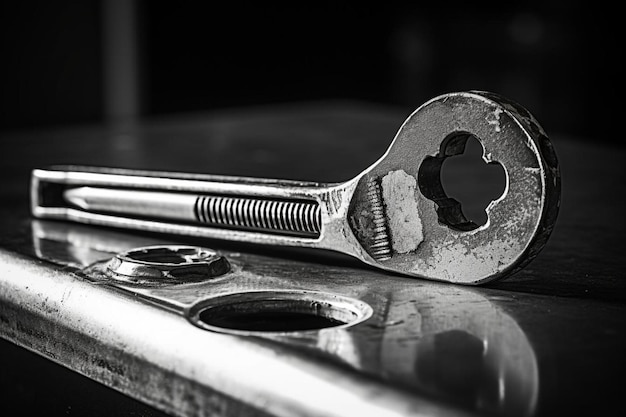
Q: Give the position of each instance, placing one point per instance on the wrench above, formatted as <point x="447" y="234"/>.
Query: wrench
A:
<point x="395" y="215"/>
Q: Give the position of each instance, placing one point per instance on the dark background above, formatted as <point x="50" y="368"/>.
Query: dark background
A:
<point x="555" y="58"/>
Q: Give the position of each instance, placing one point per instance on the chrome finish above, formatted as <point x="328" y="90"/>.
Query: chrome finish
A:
<point x="398" y="351"/>
<point x="549" y="341"/>
<point x="289" y="217"/>
<point x="250" y="214"/>
<point x="395" y="215"/>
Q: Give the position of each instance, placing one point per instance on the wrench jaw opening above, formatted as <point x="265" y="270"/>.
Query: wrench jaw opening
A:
<point x="408" y="224"/>
<point x="449" y="210"/>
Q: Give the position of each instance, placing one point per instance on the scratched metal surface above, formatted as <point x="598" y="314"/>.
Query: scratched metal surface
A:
<point x="548" y="339"/>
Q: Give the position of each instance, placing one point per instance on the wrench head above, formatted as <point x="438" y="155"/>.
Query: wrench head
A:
<point x="406" y="222"/>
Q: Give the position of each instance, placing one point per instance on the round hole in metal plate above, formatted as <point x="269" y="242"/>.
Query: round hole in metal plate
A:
<point x="280" y="311"/>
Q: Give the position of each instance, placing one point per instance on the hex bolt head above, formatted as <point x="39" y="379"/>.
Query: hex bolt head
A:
<point x="166" y="265"/>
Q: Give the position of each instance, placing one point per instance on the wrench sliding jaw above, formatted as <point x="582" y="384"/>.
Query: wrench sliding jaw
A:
<point x="394" y="215"/>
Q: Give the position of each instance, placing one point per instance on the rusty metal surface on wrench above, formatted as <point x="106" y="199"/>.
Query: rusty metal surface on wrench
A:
<point x="394" y="215"/>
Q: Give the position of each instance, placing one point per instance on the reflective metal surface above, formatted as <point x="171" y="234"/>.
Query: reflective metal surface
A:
<point x="445" y="345"/>
<point x="394" y="215"/>
<point x="549" y="340"/>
